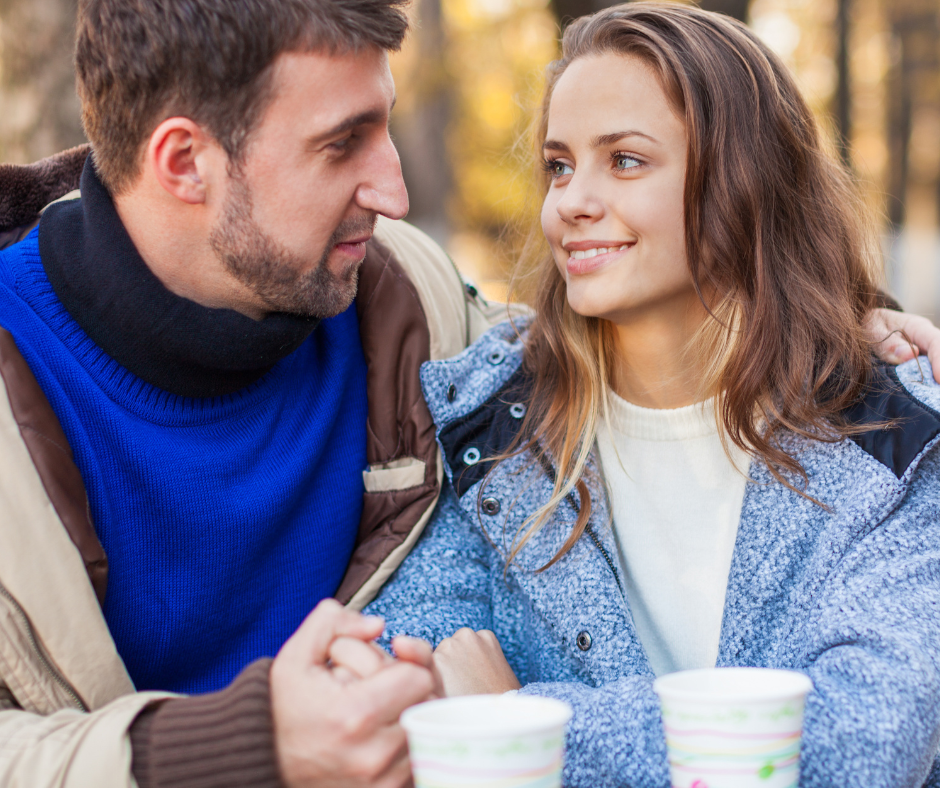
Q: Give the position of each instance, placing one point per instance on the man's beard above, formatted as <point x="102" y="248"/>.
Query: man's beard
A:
<point x="275" y="274"/>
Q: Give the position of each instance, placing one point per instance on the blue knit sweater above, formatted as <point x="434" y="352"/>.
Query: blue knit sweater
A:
<point x="225" y="519"/>
<point x="849" y="596"/>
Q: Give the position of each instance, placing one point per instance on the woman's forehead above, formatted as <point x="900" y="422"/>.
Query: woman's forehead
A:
<point x="611" y="93"/>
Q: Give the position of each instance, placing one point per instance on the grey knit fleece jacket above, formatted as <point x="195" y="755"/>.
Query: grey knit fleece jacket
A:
<point x="849" y="596"/>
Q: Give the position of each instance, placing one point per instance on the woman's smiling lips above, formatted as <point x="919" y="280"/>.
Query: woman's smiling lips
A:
<point x="587" y="256"/>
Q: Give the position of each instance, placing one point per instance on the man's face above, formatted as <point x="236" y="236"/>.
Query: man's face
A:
<point x="317" y="170"/>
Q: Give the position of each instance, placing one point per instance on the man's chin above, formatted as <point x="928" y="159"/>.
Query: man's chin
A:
<point x="321" y="297"/>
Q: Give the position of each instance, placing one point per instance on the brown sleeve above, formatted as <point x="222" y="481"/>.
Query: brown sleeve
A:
<point x="221" y="740"/>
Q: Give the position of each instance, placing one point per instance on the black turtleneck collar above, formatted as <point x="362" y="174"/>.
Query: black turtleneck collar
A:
<point x="170" y="342"/>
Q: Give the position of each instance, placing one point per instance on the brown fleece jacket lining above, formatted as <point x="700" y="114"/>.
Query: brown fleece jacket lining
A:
<point x="25" y="189"/>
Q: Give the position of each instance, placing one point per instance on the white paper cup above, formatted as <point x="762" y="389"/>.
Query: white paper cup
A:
<point x="733" y="727"/>
<point x="487" y="741"/>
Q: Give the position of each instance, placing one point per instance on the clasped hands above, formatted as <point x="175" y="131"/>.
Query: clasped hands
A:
<point x="336" y="696"/>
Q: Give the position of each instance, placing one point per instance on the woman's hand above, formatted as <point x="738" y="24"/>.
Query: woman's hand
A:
<point x="890" y="332"/>
<point x="472" y="663"/>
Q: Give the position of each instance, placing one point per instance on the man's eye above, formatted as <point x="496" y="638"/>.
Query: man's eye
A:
<point x="343" y="144"/>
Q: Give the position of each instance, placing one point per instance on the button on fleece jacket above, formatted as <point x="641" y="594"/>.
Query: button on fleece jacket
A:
<point x="849" y="596"/>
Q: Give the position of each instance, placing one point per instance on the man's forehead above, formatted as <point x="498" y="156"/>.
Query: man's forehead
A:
<point x="335" y="86"/>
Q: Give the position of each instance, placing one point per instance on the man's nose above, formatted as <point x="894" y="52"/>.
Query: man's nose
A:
<point x="383" y="189"/>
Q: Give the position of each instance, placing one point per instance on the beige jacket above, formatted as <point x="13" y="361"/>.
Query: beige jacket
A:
<point x="66" y="700"/>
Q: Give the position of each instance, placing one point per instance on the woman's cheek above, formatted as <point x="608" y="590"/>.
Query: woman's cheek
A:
<point x="552" y="229"/>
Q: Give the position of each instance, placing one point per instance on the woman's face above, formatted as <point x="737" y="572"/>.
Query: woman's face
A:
<point x="616" y="152"/>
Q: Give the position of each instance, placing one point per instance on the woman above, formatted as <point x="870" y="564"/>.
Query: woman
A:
<point x="772" y="495"/>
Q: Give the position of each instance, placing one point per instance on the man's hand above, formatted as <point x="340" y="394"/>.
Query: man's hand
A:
<point x="331" y="727"/>
<point x="899" y="337"/>
<point x="472" y="663"/>
<point x="353" y="659"/>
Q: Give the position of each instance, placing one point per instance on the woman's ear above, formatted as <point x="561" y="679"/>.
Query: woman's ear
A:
<point x="182" y="157"/>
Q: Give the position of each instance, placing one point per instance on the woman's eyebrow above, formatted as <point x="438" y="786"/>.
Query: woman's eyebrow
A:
<point x="609" y="139"/>
<point x="600" y="141"/>
<point x="554" y="145"/>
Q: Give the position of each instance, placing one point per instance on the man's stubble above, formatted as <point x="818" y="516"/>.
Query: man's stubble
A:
<point x="276" y="275"/>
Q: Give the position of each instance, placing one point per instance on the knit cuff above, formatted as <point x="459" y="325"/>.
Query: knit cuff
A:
<point x="221" y="740"/>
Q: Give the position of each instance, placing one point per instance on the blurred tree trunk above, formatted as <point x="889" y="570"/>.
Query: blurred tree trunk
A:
<point x="843" y="97"/>
<point x="566" y="10"/>
<point x="913" y="83"/>
<point x="39" y="109"/>
<point x="420" y="132"/>
<point x="899" y="117"/>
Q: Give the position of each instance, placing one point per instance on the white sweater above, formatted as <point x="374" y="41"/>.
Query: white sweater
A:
<point x="676" y="501"/>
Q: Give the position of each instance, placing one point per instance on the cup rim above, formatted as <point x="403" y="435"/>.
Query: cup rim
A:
<point x="788" y="684"/>
<point x="549" y="714"/>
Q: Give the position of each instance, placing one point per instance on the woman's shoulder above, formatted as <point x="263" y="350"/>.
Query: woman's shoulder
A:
<point x="457" y="386"/>
<point x="916" y="376"/>
<point x="901" y="411"/>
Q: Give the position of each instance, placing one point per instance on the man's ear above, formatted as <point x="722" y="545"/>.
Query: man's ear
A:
<point x="182" y="157"/>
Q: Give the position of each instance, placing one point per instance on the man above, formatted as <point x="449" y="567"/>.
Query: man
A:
<point x="211" y="412"/>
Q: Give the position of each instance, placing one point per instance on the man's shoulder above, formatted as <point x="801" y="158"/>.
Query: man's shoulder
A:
<point x="435" y="277"/>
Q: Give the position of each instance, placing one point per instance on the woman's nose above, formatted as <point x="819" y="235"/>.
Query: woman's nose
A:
<point x="579" y="201"/>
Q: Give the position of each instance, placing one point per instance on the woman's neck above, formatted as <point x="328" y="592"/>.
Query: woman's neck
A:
<point x="654" y="368"/>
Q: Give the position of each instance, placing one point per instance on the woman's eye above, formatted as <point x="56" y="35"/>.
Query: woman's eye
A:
<point x="558" y="169"/>
<point x="624" y="162"/>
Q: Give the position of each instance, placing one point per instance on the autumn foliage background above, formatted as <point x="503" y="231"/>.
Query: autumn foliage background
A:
<point x="470" y="76"/>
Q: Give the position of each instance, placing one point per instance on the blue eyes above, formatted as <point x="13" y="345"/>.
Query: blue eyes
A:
<point x="620" y="162"/>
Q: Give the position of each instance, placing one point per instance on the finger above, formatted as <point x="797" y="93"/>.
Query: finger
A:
<point x="933" y="355"/>
<point x="343" y="675"/>
<point x="489" y="637"/>
<point x="378" y="757"/>
<point x="895" y="348"/>
<point x="392" y="690"/>
<point x="362" y="659"/>
<point x="926" y="336"/>
<point x="398" y="774"/>
<point x="413" y="650"/>
<point x="885" y="332"/>
<point x="310" y="644"/>
<point x="419" y="652"/>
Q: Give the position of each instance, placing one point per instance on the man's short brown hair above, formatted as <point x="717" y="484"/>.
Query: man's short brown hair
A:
<point x="139" y="62"/>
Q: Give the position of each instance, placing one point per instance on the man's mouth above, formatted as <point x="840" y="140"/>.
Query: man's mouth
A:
<point x="354" y="247"/>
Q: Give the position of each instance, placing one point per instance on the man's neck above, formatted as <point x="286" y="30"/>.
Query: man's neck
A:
<point x="169" y="341"/>
<point x="173" y="240"/>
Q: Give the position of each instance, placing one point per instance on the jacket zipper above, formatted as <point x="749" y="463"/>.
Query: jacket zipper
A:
<point x="31" y="636"/>
<point x="573" y="502"/>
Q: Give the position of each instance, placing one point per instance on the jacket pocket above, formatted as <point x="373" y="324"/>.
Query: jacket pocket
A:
<point x="398" y="474"/>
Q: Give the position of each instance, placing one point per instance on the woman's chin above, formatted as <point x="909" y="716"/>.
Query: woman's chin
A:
<point x="590" y="304"/>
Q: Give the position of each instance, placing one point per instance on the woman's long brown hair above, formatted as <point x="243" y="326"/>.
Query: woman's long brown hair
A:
<point x="777" y="243"/>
